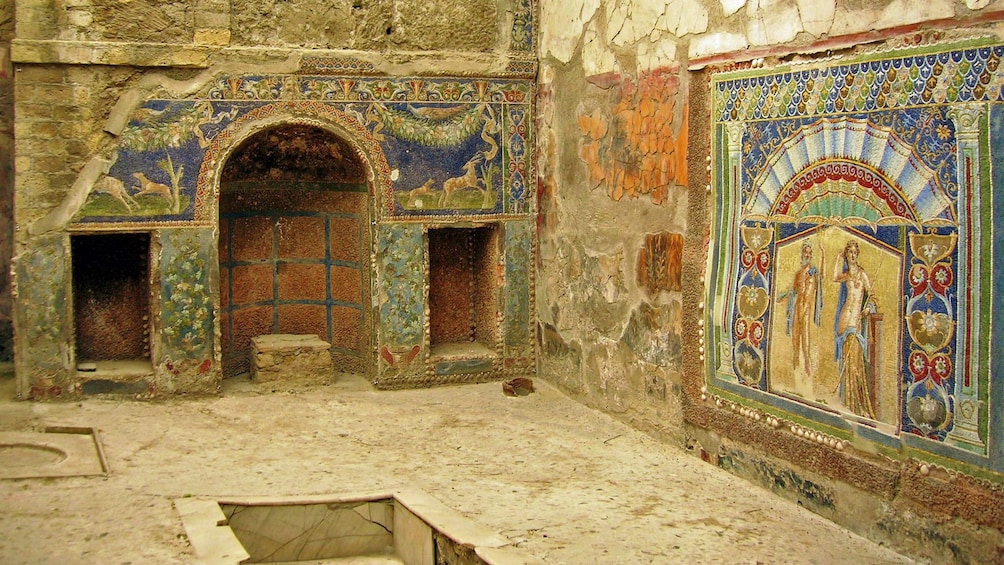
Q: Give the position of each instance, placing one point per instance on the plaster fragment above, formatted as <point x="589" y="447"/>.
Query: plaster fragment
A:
<point x="816" y="15"/>
<point x="630" y="22"/>
<point x="899" y="12"/>
<point x="977" y="4"/>
<point x="732" y="6"/>
<point x="715" y="43"/>
<point x="597" y="58"/>
<point x="656" y="54"/>
<point x="907" y="11"/>
<point x="772" y="22"/>
<point x="693" y="17"/>
<point x="562" y="23"/>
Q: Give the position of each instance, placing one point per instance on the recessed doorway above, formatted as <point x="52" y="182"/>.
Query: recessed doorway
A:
<point x="111" y="296"/>
<point x="463" y="290"/>
<point x="294" y="240"/>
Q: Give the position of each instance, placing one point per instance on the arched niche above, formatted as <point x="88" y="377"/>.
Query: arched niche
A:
<point x="294" y="215"/>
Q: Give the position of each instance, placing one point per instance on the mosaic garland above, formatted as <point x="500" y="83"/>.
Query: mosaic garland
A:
<point x="385" y="115"/>
<point x="952" y="76"/>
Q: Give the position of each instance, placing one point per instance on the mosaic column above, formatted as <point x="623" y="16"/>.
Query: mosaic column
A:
<point x="400" y="297"/>
<point x="965" y="433"/>
<point x="732" y="188"/>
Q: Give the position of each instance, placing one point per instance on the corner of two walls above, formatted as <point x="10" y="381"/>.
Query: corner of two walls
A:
<point x="612" y="333"/>
<point x="613" y="198"/>
<point x="6" y="180"/>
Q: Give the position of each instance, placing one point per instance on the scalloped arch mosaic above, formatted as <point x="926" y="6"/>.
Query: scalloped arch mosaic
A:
<point x="856" y="259"/>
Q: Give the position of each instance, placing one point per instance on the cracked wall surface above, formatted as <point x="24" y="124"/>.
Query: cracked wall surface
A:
<point x="617" y="107"/>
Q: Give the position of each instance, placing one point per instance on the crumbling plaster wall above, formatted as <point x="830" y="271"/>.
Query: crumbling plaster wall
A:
<point x="593" y="286"/>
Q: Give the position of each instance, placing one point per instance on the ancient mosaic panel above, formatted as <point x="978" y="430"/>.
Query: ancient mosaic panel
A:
<point x="42" y="307"/>
<point x="518" y="246"/>
<point x="522" y="26"/>
<point x="440" y="146"/>
<point x="187" y="308"/>
<point x="856" y="259"/>
<point x="400" y="248"/>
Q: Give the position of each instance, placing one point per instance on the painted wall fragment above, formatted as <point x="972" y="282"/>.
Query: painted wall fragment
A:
<point x="660" y="262"/>
<point x="638" y="146"/>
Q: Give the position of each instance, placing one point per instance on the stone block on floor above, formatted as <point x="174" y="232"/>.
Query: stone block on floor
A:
<point x="291" y="357"/>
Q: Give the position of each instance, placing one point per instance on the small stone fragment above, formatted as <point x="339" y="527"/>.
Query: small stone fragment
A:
<point x="520" y="386"/>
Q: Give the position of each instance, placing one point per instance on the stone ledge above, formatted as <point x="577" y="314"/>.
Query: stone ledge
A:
<point x="209" y="52"/>
<point x="284" y="342"/>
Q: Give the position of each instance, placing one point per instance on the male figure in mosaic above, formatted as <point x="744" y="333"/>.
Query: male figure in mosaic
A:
<point x="805" y="304"/>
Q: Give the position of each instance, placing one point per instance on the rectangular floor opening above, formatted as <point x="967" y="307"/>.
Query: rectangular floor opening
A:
<point x="404" y="527"/>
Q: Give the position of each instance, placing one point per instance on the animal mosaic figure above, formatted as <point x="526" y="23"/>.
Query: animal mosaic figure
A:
<point x="148" y="186"/>
<point x="117" y="190"/>
<point x="204" y="114"/>
<point x="415" y="194"/>
<point x="469" y="179"/>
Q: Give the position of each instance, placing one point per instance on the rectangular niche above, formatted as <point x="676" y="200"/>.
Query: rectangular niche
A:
<point x="111" y="296"/>
<point x="463" y="290"/>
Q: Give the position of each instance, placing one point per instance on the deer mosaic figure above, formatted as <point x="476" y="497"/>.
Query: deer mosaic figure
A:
<point x="117" y="190"/>
<point x="469" y="179"/>
<point x="148" y="186"/>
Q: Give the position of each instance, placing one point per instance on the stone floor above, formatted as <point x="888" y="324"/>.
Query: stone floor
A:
<point x="563" y="483"/>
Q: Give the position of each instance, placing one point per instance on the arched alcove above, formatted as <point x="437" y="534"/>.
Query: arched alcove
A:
<point x="294" y="240"/>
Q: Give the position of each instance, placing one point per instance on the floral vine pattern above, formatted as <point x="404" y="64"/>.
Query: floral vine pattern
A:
<point x="187" y="307"/>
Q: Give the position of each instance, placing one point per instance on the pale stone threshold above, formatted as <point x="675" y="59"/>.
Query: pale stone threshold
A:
<point x="115" y="369"/>
<point x="460" y="350"/>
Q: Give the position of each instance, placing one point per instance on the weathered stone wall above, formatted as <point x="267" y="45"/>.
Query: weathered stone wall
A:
<point x="6" y="179"/>
<point x="107" y="90"/>
<point x="613" y="198"/>
<point x="366" y="25"/>
<point x="621" y="94"/>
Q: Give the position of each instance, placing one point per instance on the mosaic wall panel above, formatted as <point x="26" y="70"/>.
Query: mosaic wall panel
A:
<point x="522" y="26"/>
<point x="41" y="307"/>
<point x="453" y="147"/>
<point x="518" y="247"/>
<point x="856" y="254"/>
<point x="187" y="309"/>
<point x="401" y="291"/>
<point x="440" y="150"/>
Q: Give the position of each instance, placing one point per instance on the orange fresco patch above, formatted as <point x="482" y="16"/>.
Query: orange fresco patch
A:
<point x="594" y="125"/>
<point x="631" y="149"/>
